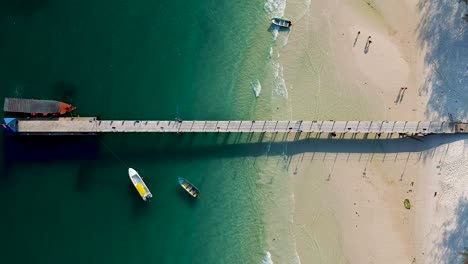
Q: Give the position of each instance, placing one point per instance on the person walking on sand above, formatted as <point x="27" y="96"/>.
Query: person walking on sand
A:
<point x="357" y="36"/>
<point x="366" y="48"/>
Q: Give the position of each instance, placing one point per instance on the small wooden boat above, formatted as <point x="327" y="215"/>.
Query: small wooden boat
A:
<point x="189" y="187"/>
<point x="281" y="22"/>
<point x="139" y="184"/>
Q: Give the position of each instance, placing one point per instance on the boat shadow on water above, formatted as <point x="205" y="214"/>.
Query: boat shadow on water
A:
<point x="186" y="197"/>
<point x="139" y="207"/>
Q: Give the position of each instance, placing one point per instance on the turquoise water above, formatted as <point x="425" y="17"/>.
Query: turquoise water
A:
<point x="68" y="199"/>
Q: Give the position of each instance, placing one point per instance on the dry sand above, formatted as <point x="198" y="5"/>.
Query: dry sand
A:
<point x="349" y="200"/>
<point x="329" y="77"/>
<point x="348" y="194"/>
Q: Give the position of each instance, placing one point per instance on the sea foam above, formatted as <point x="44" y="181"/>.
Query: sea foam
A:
<point x="296" y="260"/>
<point x="280" y="83"/>
<point x="267" y="259"/>
<point x="275" y="8"/>
<point x="257" y="88"/>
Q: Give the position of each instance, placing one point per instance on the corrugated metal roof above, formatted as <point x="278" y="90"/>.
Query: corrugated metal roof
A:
<point x="17" y="105"/>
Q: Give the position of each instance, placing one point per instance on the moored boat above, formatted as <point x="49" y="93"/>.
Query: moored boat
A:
<point x="139" y="184"/>
<point x="189" y="187"/>
<point x="36" y="107"/>
<point x="281" y="22"/>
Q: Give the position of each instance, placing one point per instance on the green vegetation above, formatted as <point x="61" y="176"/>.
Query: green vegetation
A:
<point x="407" y="204"/>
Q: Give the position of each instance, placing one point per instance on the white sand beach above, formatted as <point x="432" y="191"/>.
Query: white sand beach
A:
<point x="348" y="194"/>
<point x="349" y="200"/>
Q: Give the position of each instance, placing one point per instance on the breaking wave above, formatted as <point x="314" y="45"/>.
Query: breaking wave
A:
<point x="275" y="8"/>
<point x="257" y="88"/>
<point x="267" y="259"/>
<point x="280" y="83"/>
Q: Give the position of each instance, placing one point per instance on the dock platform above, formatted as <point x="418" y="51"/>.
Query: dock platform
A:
<point x="91" y="125"/>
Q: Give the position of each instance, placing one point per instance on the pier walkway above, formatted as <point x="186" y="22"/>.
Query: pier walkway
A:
<point x="91" y="125"/>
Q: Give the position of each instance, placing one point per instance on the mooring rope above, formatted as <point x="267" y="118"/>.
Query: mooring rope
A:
<point x="113" y="153"/>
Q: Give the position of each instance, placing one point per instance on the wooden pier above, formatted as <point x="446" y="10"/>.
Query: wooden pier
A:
<point x="91" y="125"/>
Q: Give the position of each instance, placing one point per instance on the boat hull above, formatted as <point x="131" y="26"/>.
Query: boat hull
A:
<point x="281" y="22"/>
<point x="36" y="107"/>
<point x="189" y="187"/>
<point x="139" y="184"/>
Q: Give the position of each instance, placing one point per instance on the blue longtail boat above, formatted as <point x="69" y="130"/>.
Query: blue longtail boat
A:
<point x="189" y="187"/>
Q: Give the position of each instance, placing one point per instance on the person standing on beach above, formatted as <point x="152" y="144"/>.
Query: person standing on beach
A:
<point x="369" y="41"/>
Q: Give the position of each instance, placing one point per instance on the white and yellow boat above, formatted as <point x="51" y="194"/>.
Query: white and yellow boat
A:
<point x="139" y="184"/>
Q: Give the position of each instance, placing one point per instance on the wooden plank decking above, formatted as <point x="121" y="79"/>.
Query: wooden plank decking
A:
<point x="93" y="125"/>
